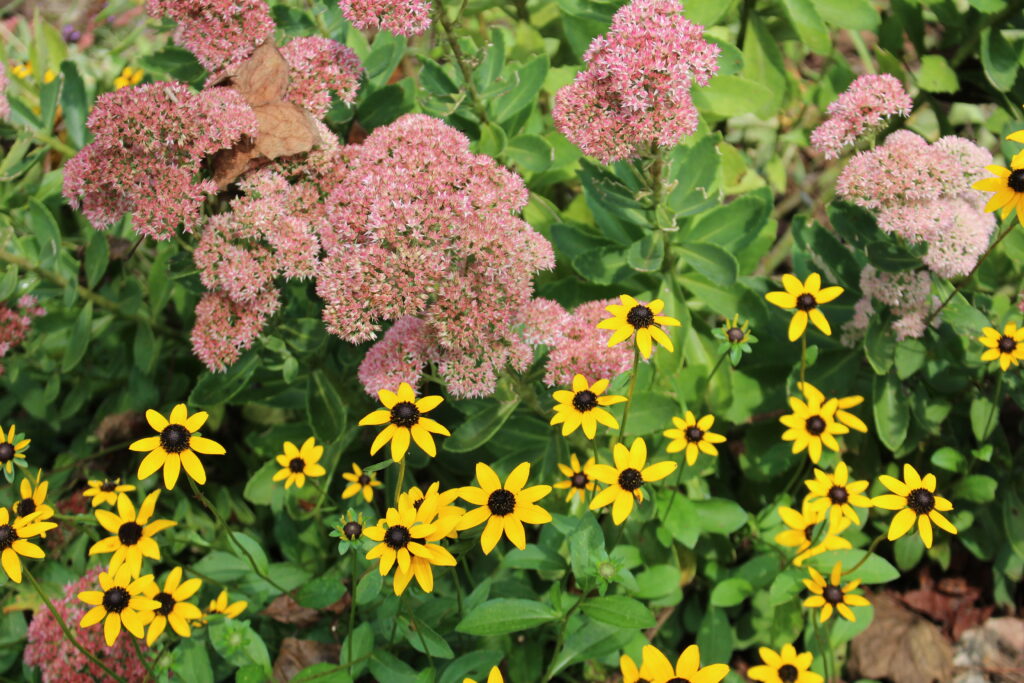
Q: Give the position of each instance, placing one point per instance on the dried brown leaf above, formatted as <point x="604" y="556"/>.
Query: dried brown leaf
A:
<point x="296" y="655"/>
<point x="263" y="77"/>
<point x="285" y="610"/>
<point x="120" y="427"/>
<point x="285" y="129"/>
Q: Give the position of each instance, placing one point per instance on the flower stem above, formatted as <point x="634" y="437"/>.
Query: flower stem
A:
<point x="867" y="554"/>
<point x="401" y="480"/>
<point x="561" y="637"/>
<point x="629" y="397"/>
<point x="423" y="641"/>
<point x="143" y="658"/>
<point x="460" y="58"/>
<point x="803" y="356"/>
<point x="707" y="385"/>
<point x="67" y="632"/>
<point x="995" y="404"/>
<point x="351" y="608"/>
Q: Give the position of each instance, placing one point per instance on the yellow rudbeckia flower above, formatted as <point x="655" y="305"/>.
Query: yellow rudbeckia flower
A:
<point x="128" y="76"/>
<point x="813" y="425"/>
<point x="404" y="417"/>
<point x="626" y="479"/>
<point x="11" y="450"/>
<point x="805" y="297"/>
<point x="173" y="609"/>
<point x="843" y="404"/>
<point x="577" y="477"/>
<point x="105" y="492"/>
<point x="176" y="446"/>
<point x="493" y="677"/>
<point x="33" y="500"/>
<point x="693" y="436"/>
<point x="784" y="666"/>
<point x="220" y="605"/>
<point x="503" y="507"/>
<point x="837" y="494"/>
<point x="359" y="482"/>
<point x="299" y="463"/>
<point x="687" y="667"/>
<point x="831" y="595"/>
<point x="432" y="509"/>
<point x="584" y="406"/>
<point x="803" y="534"/>
<point x="915" y="499"/>
<point x="631" y="673"/>
<point x="1006" y="347"/>
<point x="132" y="533"/>
<point x="119" y="603"/>
<point x="1007" y="185"/>
<point x="400" y="536"/>
<point x="14" y="544"/>
<point x="632" y="317"/>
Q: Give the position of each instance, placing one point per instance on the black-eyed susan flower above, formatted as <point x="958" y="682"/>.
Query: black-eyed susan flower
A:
<point x="404" y="417"/>
<point x="687" y="667"/>
<point x="631" y="673"/>
<point x="693" y="436"/>
<point x="916" y="500"/>
<point x="1007" y="185"/>
<point x="644" y="320"/>
<point x="121" y="602"/>
<point x="128" y="76"/>
<point x="299" y="463"/>
<point x="503" y="507"/>
<point x="784" y="666"/>
<point x="577" y="477"/>
<point x="493" y="677"/>
<point x="221" y="605"/>
<point x="133" y="533"/>
<point x="735" y="338"/>
<point x="837" y="494"/>
<point x="14" y="543"/>
<point x="805" y="297"/>
<point x="812" y="425"/>
<point x="584" y="406"/>
<point x="12" y="451"/>
<point x="831" y="595"/>
<point x="843" y="405"/>
<point x="347" y="529"/>
<point x="445" y="506"/>
<point x="105" y="492"/>
<point x="1007" y="346"/>
<point x="804" y="535"/>
<point x="399" y="537"/>
<point x="173" y="609"/>
<point x="33" y="500"/>
<point x="359" y="482"/>
<point x="626" y="479"/>
<point x="432" y="509"/>
<point x="176" y="446"/>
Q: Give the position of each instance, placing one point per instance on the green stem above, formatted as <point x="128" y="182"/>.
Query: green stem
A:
<point x="458" y="590"/>
<point x="561" y="637"/>
<point x="629" y="397"/>
<point x="963" y="281"/>
<point x="423" y="641"/>
<point x="597" y="457"/>
<point x="803" y="356"/>
<point x="401" y="480"/>
<point x="143" y="658"/>
<point x="351" y="607"/>
<point x="707" y="386"/>
<point x="67" y="632"/>
<point x="460" y="58"/>
<point x="862" y="51"/>
<point x="867" y="554"/>
<point x="995" y="404"/>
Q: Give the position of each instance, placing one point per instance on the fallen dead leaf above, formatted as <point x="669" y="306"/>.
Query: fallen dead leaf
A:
<point x="120" y="427"/>
<point x="285" y="610"/>
<point x="993" y="652"/>
<point x="950" y="602"/>
<point x="262" y="78"/>
<point x="295" y="655"/>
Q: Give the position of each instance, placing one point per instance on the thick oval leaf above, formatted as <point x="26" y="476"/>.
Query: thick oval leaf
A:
<point x="714" y="263"/>
<point x="325" y="410"/>
<point x="479" y="428"/>
<point x="876" y="569"/>
<point x="731" y="592"/>
<point x="891" y="411"/>
<point x="808" y="25"/>
<point x="999" y="59"/>
<point x="619" y="610"/>
<point x="78" y="341"/>
<point x="505" y="615"/>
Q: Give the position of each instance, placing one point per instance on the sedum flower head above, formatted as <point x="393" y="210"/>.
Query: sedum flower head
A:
<point x="176" y="446"/>
<point x="318" y="66"/>
<point x="403" y="414"/>
<point x="16" y="320"/>
<point x="1007" y="346"/>
<point x="220" y="33"/>
<point x="582" y="349"/>
<point x="916" y="501"/>
<point x="400" y="17"/>
<point x="831" y="595"/>
<point x="866" y="105"/>
<point x="805" y="297"/>
<point x="504" y="507"/>
<point x="626" y="479"/>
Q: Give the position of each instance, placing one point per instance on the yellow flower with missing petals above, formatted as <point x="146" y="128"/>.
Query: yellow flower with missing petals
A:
<point x="299" y="463"/>
<point x="837" y="494"/>
<point x="784" y="666"/>
<point x="220" y="605"/>
<point x="1007" y="348"/>
<point x="132" y="533"/>
<point x="915" y="499"/>
<point x="360" y="482"/>
<point x="129" y="76"/>
<point x="503" y="507"/>
<point x="493" y="677"/>
<point x="805" y="297"/>
<point x="173" y="609"/>
<point x="626" y="479"/>
<point x="121" y="602"/>
<point x="11" y="450"/>
<point x="812" y="425"/>
<point x="803" y="535"/>
<point x="577" y="477"/>
<point x="832" y="595"/>
<point x="33" y="500"/>
<point x="687" y="667"/>
<point x="584" y="407"/>
<point x="176" y="446"/>
<point x="644" y="320"/>
<point x="14" y="535"/>
<point x="843" y="403"/>
<point x="694" y="436"/>
<point x="1007" y="185"/>
<point x="105" y="492"/>
<point x="404" y="418"/>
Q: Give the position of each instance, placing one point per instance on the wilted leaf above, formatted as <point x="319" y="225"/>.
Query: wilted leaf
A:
<point x="296" y="655"/>
<point x="285" y="610"/>
<point x="900" y="646"/>
<point x="262" y="78"/>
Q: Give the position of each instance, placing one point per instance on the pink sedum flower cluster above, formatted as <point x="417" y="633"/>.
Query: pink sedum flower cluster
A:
<point x="419" y="226"/>
<point x="398" y="357"/>
<point x="61" y="662"/>
<point x="318" y="66"/>
<point x="921" y="192"/>
<point x="220" y="33"/>
<point x="224" y="328"/>
<point x="400" y="17"/>
<point x="16" y="322"/>
<point x="582" y="348"/>
<point x="864" y="107"/>
<point x="150" y="141"/>
<point x="635" y="89"/>
<point x="906" y="293"/>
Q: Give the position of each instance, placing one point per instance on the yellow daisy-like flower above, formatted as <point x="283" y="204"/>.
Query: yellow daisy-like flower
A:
<point x="129" y="76"/>
<point x="173" y="609"/>
<point x="11" y="450"/>
<point x="14" y="543"/>
<point x="805" y="297"/>
<point x="433" y="509"/>
<point x="584" y="407"/>
<point x="133" y="533"/>
<point x="645" y="320"/>
<point x="399" y="537"/>
<point x="633" y="674"/>
<point x="837" y="494"/>
<point x="1007" y="347"/>
<point x="404" y="419"/>
<point x="22" y="70"/>
<point x="360" y="482"/>
<point x="493" y="677"/>
<point x="694" y="436"/>
<point x="220" y="605"/>
<point x="801" y="532"/>
<point x="503" y="507"/>
<point x="299" y="463"/>
<point x="915" y="499"/>
<point x="1007" y="185"/>
<point x="687" y="667"/>
<point x="121" y="602"/>
<point x="33" y="500"/>
<point x="784" y="666"/>
<point x="626" y="479"/>
<point x="105" y="492"/>
<point x="812" y="425"/>
<point x="445" y="507"/>
<point x="577" y="477"/>
<point x="844" y="403"/>
<point x="832" y="595"/>
<point x="176" y="446"/>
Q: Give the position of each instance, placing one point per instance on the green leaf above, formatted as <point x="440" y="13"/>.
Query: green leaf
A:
<point x="647" y="253"/>
<point x="325" y="411"/>
<point x="323" y="590"/>
<point x="176" y="62"/>
<point x="531" y="153"/>
<point x="891" y="411"/>
<point x="707" y="12"/>
<point x="999" y="59"/>
<point x="936" y="75"/>
<point x="892" y="257"/>
<point x="251" y="546"/>
<point x="74" y="104"/>
<point x="492" y="140"/>
<point x="215" y="388"/>
<point x="387" y="667"/>
<point x="505" y="615"/>
<point x="734" y="225"/>
<point x="97" y="256"/>
<point x="731" y="592"/>
<point x="1013" y="516"/>
<point x="535" y="558"/>
<point x="593" y="640"/>
<point x="434" y="79"/>
<point x="984" y="417"/>
<point x="144" y="348"/>
<point x="907" y="550"/>
<point x="480" y="427"/>
<point x="78" y="341"/>
<point x="191" y="662"/>
<point x="46" y="231"/>
<point x="493" y="63"/>
<point x="715" y="636"/>
<point x="680" y="519"/>
<point x="361" y="647"/>
<point x="259" y="490"/>
<point x="876" y="569"/>
<point x="527" y="82"/>
<point x="949" y="459"/>
<point x="858" y="15"/>
<point x="727" y="96"/>
<point x="9" y="282"/>
<point x="368" y="587"/>
<point x="880" y="345"/>
<point x="808" y="25"/>
<point x="855" y="224"/>
<point x="619" y="610"/>
<point x="714" y="263"/>
<point x="976" y="488"/>
<point x="430" y="643"/>
<point x="385" y="56"/>
<point x="239" y="644"/>
<point x="323" y="672"/>
<point x="720" y="515"/>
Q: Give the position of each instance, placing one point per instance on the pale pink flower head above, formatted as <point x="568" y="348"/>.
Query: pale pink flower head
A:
<point x="16" y="322"/>
<point x="5" y="106"/>
<point x="224" y="329"/>
<point x="543" y="322"/>
<point x="583" y="348"/>
<point x="635" y="89"/>
<point x="869" y="102"/>
<point x="220" y="33"/>
<point x="400" y="17"/>
<point x="399" y="356"/>
<point x="907" y="294"/>
<point x="318" y="66"/>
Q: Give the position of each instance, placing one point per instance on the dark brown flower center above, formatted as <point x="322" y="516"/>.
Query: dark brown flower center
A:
<point x="640" y="316"/>
<point x="129" y="533"/>
<point x="1007" y="344"/>
<point x="806" y="302"/>
<point x="501" y="502"/>
<point x="7" y="536"/>
<point x="108" y="486"/>
<point x="1016" y="180"/>
<point x="25" y="507"/>
<point x="838" y="495"/>
<point x="677" y="680"/>
<point x="694" y="434"/>
<point x="364" y="480"/>
<point x="418" y="502"/>
<point x="174" y="438"/>
<point x="115" y="599"/>
<point x="735" y="334"/>
<point x="584" y="400"/>
<point x="405" y="414"/>
<point x="788" y="673"/>
<point x="166" y="603"/>
<point x="630" y="479"/>
<point x="579" y="480"/>
<point x="296" y="464"/>
<point x="815" y="425"/>
<point x="921" y="501"/>
<point x="353" y="530"/>
<point x="397" y="537"/>
<point x="6" y="452"/>
<point x="833" y="594"/>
